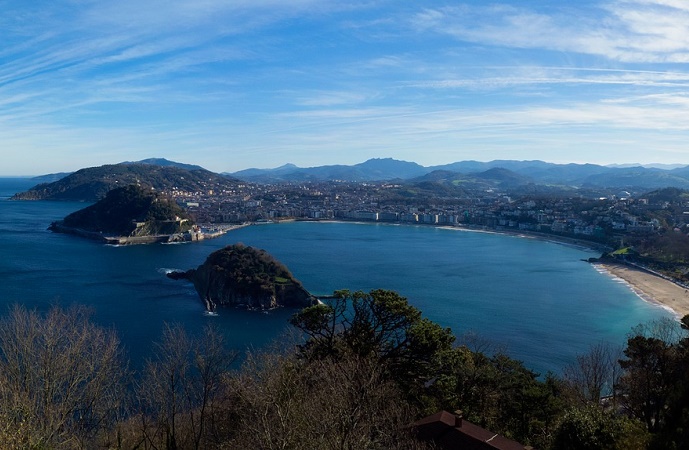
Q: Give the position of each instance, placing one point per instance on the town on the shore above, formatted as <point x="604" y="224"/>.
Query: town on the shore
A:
<point x="604" y="219"/>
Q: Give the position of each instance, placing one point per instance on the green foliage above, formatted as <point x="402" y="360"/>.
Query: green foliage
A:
<point x="122" y="208"/>
<point x="93" y="183"/>
<point x="591" y="428"/>
<point x="646" y="384"/>
<point x="668" y="247"/>
<point x="380" y="325"/>
<point x="500" y="394"/>
<point x="249" y="271"/>
<point x="655" y="384"/>
<point x="370" y="366"/>
<point x="496" y="392"/>
<point x="670" y="194"/>
<point x="675" y="430"/>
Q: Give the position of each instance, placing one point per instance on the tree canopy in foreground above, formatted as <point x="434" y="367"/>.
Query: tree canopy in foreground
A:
<point x="365" y="366"/>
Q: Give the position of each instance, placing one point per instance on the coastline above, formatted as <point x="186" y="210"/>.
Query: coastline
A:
<point x="210" y="233"/>
<point x="546" y="237"/>
<point x="650" y="287"/>
<point x="527" y="234"/>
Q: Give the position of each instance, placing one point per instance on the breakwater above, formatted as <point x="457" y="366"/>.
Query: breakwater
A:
<point x="189" y="236"/>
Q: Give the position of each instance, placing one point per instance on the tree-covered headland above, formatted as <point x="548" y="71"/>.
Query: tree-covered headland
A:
<point x="131" y="211"/>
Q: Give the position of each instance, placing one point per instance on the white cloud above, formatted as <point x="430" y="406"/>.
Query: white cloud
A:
<point x="629" y="30"/>
<point x="528" y="75"/>
<point x="296" y="78"/>
<point x="330" y="98"/>
<point x="675" y="4"/>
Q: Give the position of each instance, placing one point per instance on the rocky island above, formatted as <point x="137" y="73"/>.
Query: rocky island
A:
<point x="131" y="215"/>
<point x="238" y="275"/>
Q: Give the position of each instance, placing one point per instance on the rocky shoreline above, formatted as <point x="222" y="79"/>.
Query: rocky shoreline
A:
<point x="188" y="236"/>
<point x="240" y="275"/>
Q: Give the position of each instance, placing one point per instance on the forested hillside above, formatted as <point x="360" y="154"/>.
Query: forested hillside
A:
<point x="91" y="184"/>
<point x="131" y="210"/>
<point x="247" y="276"/>
<point x="368" y="366"/>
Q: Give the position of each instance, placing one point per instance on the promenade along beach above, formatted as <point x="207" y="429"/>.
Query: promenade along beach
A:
<point x="648" y="286"/>
<point x="651" y="288"/>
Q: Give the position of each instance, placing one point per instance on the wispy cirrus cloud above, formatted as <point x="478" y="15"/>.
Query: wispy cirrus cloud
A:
<point x="625" y="30"/>
<point x="330" y="98"/>
<point x="325" y="79"/>
<point x="539" y="75"/>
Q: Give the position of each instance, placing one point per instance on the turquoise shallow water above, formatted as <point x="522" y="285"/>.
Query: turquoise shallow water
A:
<point x="537" y="299"/>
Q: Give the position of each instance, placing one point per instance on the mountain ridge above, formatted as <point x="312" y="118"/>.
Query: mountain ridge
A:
<point x="538" y="172"/>
<point x="93" y="183"/>
<point x="528" y="176"/>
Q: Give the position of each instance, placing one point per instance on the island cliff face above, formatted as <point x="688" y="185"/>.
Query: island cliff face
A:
<point x="240" y="275"/>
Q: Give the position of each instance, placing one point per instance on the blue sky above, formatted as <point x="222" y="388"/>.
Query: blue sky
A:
<point x="233" y="84"/>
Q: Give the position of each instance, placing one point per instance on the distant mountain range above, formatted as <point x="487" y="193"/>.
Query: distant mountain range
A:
<point x="162" y="162"/>
<point x="449" y="180"/>
<point x="514" y="173"/>
<point x="648" y="166"/>
<point x="371" y="170"/>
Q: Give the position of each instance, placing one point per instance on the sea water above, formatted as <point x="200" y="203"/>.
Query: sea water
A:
<point x="537" y="300"/>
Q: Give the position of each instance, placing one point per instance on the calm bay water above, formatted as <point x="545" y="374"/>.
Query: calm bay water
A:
<point x="536" y="298"/>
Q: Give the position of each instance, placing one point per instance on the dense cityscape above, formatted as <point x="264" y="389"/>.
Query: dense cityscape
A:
<point x="599" y="219"/>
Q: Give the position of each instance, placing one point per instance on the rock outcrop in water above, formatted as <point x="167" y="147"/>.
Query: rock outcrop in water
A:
<point x="241" y="275"/>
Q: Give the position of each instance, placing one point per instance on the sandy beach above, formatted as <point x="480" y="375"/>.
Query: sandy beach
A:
<point x="652" y="288"/>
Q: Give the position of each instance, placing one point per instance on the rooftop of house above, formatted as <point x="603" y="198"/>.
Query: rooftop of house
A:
<point x="451" y="432"/>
